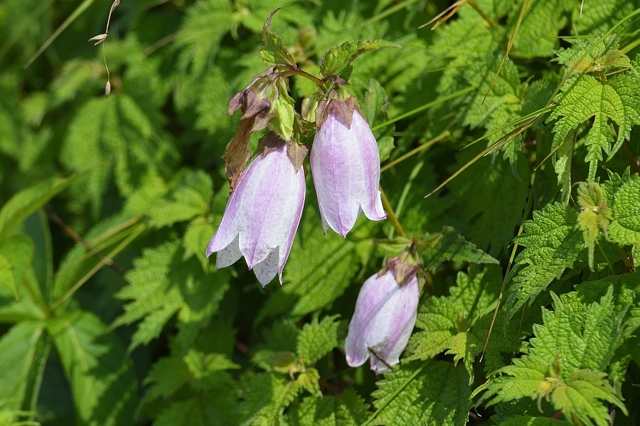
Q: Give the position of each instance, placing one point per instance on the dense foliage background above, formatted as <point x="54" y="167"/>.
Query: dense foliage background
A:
<point x="111" y="315"/>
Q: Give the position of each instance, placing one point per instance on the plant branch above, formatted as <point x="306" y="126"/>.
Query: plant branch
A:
<point x="391" y="215"/>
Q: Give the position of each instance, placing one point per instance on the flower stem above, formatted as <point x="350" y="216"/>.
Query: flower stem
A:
<point x="301" y="73"/>
<point x="414" y="151"/>
<point x="391" y="215"/>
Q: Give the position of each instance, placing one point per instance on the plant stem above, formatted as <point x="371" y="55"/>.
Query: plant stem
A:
<point x="391" y="214"/>
<point x="481" y="12"/>
<point x="414" y="151"/>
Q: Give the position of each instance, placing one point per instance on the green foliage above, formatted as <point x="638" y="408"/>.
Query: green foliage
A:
<point x="527" y="111"/>
<point x="551" y="244"/>
<point x="565" y="361"/>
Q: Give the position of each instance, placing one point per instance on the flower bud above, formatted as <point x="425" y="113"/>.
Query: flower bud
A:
<point x="262" y="214"/>
<point x="385" y="314"/>
<point x="345" y="165"/>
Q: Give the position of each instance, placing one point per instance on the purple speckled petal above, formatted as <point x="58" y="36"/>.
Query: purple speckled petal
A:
<point x="228" y="255"/>
<point x="262" y="216"/>
<point x="345" y="165"/>
<point x="267" y="269"/>
<point x="384" y="317"/>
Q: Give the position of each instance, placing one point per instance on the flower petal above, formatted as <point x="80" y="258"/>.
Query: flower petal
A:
<point x="228" y="255"/>
<point x="267" y="269"/>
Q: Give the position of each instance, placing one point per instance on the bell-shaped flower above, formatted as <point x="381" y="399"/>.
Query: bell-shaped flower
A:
<point x="385" y="314"/>
<point x="262" y="214"/>
<point x="345" y="165"/>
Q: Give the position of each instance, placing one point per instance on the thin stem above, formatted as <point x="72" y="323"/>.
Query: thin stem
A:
<point x="425" y="106"/>
<point x="414" y="151"/>
<point x="78" y="239"/>
<point x="298" y="71"/>
<point x="391" y="214"/>
<point x="633" y="162"/>
<point x="481" y="12"/>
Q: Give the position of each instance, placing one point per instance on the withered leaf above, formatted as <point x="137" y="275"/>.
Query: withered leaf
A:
<point x="236" y="153"/>
<point x="297" y="153"/>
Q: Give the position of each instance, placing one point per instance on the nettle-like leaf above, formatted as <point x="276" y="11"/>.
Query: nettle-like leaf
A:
<point x="537" y="35"/>
<point x="338" y="60"/>
<point x="594" y="215"/>
<point x="448" y="322"/>
<point x="551" y="244"/>
<point x="111" y="136"/>
<point x="448" y="245"/>
<point x="190" y="197"/>
<point x="318" y="339"/>
<point x="346" y="409"/>
<point x="431" y="392"/>
<point x="625" y="226"/>
<point x="265" y="397"/>
<point x="273" y="50"/>
<point x="584" y="97"/>
<point x="206" y="375"/>
<point x="164" y="283"/>
<point x="566" y="361"/>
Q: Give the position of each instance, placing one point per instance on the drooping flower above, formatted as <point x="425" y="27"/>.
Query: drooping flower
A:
<point x="345" y="165"/>
<point x="262" y="214"/>
<point x="385" y="314"/>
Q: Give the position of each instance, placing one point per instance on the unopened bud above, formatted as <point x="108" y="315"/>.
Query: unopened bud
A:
<point x="107" y="89"/>
<point x="99" y="38"/>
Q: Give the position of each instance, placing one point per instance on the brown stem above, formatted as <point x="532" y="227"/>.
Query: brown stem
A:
<point x="78" y="239"/>
<point x="633" y="162"/>
<point x="391" y="215"/>
<point x="481" y="12"/>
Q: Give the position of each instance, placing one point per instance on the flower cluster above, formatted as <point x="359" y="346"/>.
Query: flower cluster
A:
<point x="267" y="198"/>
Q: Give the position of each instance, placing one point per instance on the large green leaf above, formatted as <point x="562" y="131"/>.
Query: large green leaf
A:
<point x="27" y="201"/>
<point x="21" y="360"/>
<point x="102" y="379"/>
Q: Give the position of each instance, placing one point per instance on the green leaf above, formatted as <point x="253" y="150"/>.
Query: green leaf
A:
<point x="537" y="35"/>
<point x="625" y="227"/>
<point x="427" y="393"/>
<point x="207" y="409"/>
<point x="318" y="339"/>
<point x="20" y="357"/>
<point x="595" y="214"/>
<point x="449" y="245"/>
<point x="189" y="197"/>
<point x="566" y="360"/>
<point x="338" y="60"/>
<point x="532" y="421"/>
<point x="583" y="97"/>
<point x="27" y="201"/>
<point x="265" y="397"/>
<point x="102" y="379"/>
<point x="198" y="234"/>
<point x="273" y="51"/>
<point x="448" y="322"/>
<point x="346" y="409"/>
<point x="551" y="244"/>
<point x="162" y="284"/>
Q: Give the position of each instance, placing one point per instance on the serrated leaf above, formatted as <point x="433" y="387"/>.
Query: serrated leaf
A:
<point x="347" y="409"/>
<point x="265" y="398"/>
<point x="594" y="215"/>
<point x="625" y="226"/>
<point x="449" y="245"/>
<point x="318" y="339"/>
<point x="207" y="409"/>
<point x="551" y="244"/>
<point x="537" y="34"/>
<point x="198" y="234"/>
<point x="583" y="97"/>
<point x="163" y="284"/>
<point x="447" y="322"/>
<point x="566" y="360"/>
<point x="190" y="196"/>
<point x="434" y="392"/>
<point x="337" y="61"/>
<point x="102" y="379"/>
<point x="27" y="201"/>
<point x="273" y="51"/>
<point x="18" y="355"/>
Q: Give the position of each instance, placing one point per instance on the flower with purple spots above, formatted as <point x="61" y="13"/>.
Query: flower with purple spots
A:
<point x="262" y="214"/>
<point x="384" y="317"/>
<point x="345" y="165"/>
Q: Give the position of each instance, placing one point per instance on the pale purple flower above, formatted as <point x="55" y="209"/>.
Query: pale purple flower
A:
<point x="262" y="216"/>
<point x="345" y="164"/>
<point x="384" y="318"/>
